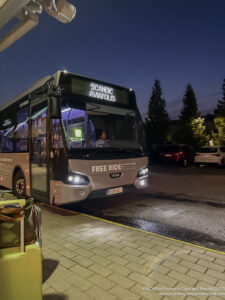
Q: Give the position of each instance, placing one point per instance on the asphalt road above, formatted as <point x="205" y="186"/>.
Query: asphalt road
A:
<point x="183" y="203"/>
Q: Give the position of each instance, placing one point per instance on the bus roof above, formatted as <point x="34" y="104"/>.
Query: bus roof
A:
<point x="41" y="82"/>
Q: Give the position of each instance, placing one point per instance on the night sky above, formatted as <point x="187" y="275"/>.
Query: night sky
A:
<point x="130" y="43"/>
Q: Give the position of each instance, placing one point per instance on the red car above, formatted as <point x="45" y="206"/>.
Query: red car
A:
<point x="179" y="154"/>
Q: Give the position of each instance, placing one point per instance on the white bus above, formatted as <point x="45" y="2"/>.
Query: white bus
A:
<point x="68" y="138"/>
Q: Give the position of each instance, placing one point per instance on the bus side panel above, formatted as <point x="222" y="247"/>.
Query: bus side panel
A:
<point x="8" y="163"/>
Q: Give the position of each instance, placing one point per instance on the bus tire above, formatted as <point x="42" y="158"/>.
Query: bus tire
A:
<point x="19" y="185"/>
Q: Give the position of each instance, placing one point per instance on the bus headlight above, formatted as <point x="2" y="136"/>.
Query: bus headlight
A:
<point x="143" y="172"/>
<point x="77" y="179"/>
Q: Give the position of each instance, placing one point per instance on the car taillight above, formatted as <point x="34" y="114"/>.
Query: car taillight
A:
<point x="181" y="153"/>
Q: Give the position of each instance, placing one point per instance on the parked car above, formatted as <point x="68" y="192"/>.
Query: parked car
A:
<point x="179" y="154"/>
<point x="210" y="156"/>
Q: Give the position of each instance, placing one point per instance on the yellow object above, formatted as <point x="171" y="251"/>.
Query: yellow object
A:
<point x="20" y="268"/>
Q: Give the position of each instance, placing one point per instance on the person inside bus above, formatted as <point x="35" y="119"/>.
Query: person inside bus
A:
<point x="102" y="142"/>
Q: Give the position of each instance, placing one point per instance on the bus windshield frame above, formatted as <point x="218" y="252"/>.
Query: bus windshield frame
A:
<point x="90" y="108"/>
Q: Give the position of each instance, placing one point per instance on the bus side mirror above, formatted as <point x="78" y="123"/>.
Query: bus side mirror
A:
<point x="55" y="112"/>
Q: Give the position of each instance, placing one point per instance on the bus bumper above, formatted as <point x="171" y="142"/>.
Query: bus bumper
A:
<point x="141" y="182"/>
<point x="62" y="193"/>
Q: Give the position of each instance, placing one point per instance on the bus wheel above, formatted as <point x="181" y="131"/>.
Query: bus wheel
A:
<point x="19" y="185"/>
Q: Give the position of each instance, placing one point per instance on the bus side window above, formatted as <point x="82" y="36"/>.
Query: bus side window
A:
<point x="21" y="130"/>
<point x="1" y="141"/>
<point x="7" y="139"/>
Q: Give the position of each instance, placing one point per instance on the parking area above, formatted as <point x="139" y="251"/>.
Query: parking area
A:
<point x="205" y="184"/>
<point x="182" y="203"/>
<point x="88" y="258"/>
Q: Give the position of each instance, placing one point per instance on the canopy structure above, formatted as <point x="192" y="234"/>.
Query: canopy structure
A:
<point x="27" y="12"/>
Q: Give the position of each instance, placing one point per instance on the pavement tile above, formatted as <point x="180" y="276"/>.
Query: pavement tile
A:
<point x="174" y="259"/>
<point x="174" y="297"/>
<point x="125" y="271"/>
<point x="163" y="249"/>
<point x="59" y="284"/>
<point x="67" y="253"/>
<point x="100" y="252"/>
<point x="75" y="294"/>
<point x="193" y="248"/>
<point x="117" y="259"/>
<point x="202" y="256"/>
<point x="116" y="251"/>
<point x="83" y="261"/>
<point x="85" y="245"/>
<point x="132" y="251"/>
<point x="62" y="272"/>
<point x="129" y="244"/>
<point x="204" y="285"/>
<point x="142" y="269"/>
<point x="148" y="250"/>
<point x="83" y="252"/>
<point x="214" y="298"/>
<point x="99" y="294"/>
<point x="159" y="277"/>
<point x="70" y="246"/>
<point x="216" y="255"/>
<point x="221" y="283"/>
<point x="146" y="294"/>
<point x="98" y="244"/>
<point x="114" y="244"/>
<point x="161" y="269"/>
<point x="216" y="274"/>
<point x="131" y="239"/>
<point x="146" y="281"/>
<point x="183" y="278"/>
<point x="79" y="282"/>
<point x="102" y="282"/>
<point x="121" y="280"/>
<point x="149" y="257"/>
<point x="81" y="271"/>
<point x="220" y="262"/>
<point x="49" y="291"/>
<point x="100" y="270"/>
<point x="203" y="277"/>
<point x="188" y="257"/>
<point x="101" y="260"/>
<point x="175" y="267"/>
<point x="65" y="262"/>
<point x="189" y="265"/>
<point x="124" y="294"/>
<point x="133" y="258"/>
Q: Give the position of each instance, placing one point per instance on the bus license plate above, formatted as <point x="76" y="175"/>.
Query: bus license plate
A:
<point x="114" y="191"/>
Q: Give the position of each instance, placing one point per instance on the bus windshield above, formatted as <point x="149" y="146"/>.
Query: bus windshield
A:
<point x="95" y="126"/>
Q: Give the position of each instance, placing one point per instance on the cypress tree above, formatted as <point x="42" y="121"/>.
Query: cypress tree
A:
<point x="220" y="110"/>
<point x="188" y="114"/>
<point x="190" y="107"/>
<point x="157" y="123"/>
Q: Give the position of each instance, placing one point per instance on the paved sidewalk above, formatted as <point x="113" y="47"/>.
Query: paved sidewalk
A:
<point x="88" y="258"/>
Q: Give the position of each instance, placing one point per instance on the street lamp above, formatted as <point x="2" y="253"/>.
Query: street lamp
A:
<point x="62" y="10"/>
<point x="27" y="12"/>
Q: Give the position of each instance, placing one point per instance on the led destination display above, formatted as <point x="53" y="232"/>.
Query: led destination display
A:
<point x="99" y="91"/>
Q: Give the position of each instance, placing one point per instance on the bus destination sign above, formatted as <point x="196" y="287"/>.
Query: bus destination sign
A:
<point x="99" y="91"/>
<point x="102" y="92"/>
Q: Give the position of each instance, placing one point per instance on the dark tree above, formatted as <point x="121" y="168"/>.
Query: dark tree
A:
<point x="188" y="114"/>
<point x="190" y="107"/>
<point x="220" y="110"/>
<point x="157" y="122"/>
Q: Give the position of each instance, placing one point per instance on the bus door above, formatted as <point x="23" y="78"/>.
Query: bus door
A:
<point x="39" y="149"/>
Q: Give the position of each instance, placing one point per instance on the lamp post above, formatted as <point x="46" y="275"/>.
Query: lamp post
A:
<point x="27" y="12"/>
